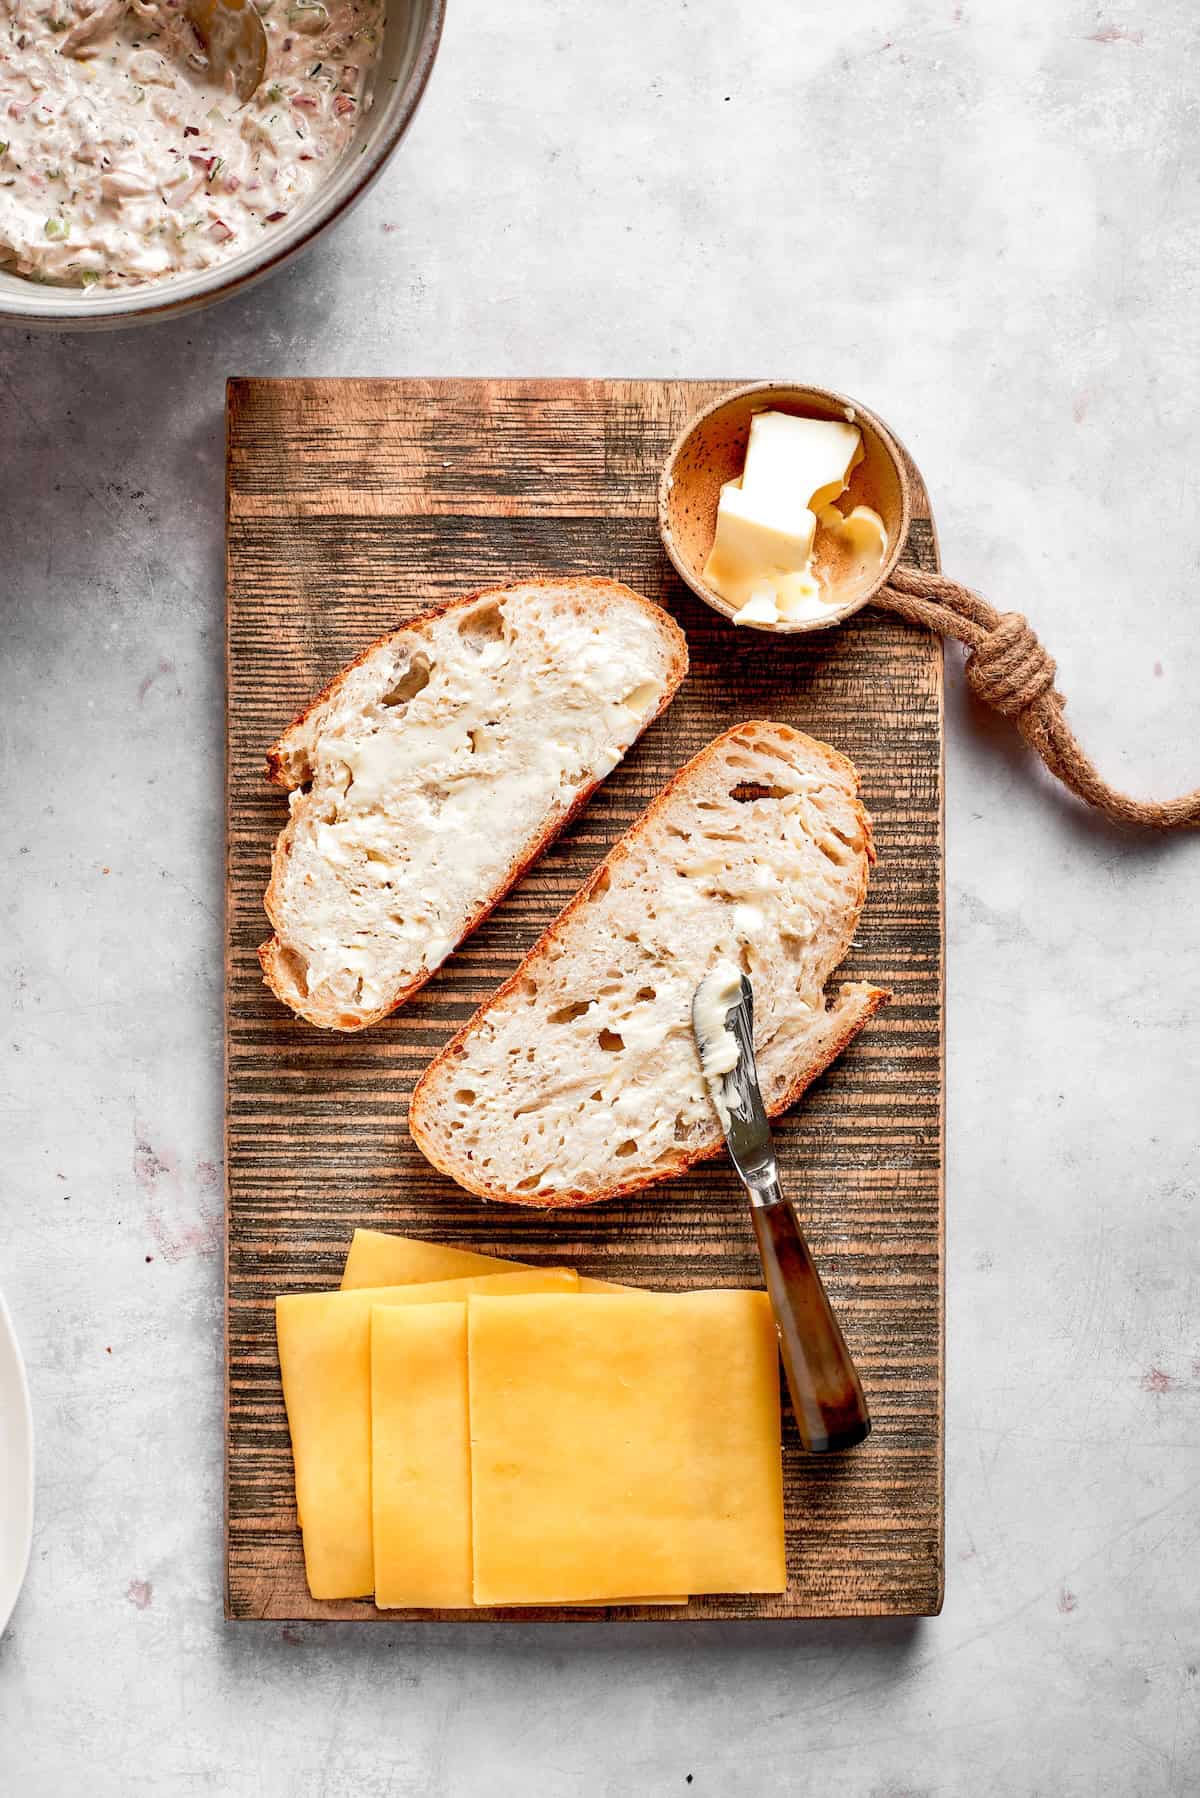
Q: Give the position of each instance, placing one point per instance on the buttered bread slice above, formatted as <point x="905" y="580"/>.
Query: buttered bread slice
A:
<point x="435" y="768"/>
<point x="580" y="1079"/>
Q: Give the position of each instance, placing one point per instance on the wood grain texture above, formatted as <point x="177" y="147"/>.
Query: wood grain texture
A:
<point x="352" y="505"/>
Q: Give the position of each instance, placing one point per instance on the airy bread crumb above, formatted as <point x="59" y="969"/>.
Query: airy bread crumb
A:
<point x="580" y="1079"/>
<point x="435" y="768"/>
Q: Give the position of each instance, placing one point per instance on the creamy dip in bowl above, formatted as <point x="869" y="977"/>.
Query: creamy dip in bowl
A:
<point x="132" y="186"/>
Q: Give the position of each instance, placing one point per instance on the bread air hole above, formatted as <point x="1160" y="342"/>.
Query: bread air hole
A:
<point x="747" y="791"/>
<point x="628" y="1147"/>
<point x="776" y="752"/>
<point x="464" y="1096"/>
<point x="567" y="1014"/>
<point x="646" y="994"/>
<point x="294" y="969"/>
<point x="609" y="1040"/>
<point x="483" y="625"/>
<point x="600" y="885"/>
<point x="413" y="680"/>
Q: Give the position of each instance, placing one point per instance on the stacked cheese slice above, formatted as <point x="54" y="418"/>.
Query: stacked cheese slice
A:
<point x="473" y="1432"/>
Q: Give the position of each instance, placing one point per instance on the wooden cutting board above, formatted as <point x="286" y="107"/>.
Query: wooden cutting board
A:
<point x="351" y="505"/>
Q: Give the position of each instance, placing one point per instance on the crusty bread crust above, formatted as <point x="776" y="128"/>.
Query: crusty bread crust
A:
<point x="868" y="1000"/>
<point x="272" y="954"/>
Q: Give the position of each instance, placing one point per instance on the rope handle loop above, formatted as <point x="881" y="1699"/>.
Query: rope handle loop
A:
<point x="1010" y="670"/>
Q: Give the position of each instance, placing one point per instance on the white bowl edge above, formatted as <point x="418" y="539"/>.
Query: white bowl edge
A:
<point x="16" y="1468"/>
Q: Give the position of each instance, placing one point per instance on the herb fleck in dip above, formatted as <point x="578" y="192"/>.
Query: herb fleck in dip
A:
<point x="121" y="160"/>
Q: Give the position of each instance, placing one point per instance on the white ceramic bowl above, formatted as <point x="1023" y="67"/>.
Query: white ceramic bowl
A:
<point x="410" y="44"/>
<point x="16" y="1468"/>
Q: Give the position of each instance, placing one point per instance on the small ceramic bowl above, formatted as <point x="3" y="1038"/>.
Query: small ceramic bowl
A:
<point x="711" y="449"/>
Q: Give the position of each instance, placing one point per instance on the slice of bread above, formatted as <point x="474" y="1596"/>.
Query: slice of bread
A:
<point x="433" y="770"/>
<point x="580" y="1080"/>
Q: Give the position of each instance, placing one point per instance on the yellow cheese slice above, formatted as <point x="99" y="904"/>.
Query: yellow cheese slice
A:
<point x="421" y="1456"/>
<point x="325" y="1363"/>
<point x="378" y="1258"/>
<point x="421" y="1459"/>
<point x="627" y="1444"/>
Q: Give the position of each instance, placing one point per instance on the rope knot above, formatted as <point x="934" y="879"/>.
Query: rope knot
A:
<point x="1009" y="669"/>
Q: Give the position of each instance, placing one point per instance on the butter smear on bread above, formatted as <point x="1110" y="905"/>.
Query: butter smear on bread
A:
<point x="436" y="767"/>
<point x="783" y="550"/>
<point x="716" y="996"/>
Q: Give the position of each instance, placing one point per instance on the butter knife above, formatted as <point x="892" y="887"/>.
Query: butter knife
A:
<point x="827" y="1395"/>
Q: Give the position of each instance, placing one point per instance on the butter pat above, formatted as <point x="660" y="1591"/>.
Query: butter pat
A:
<point x="716" y="997"/>
<point x="804" y="461"/>
<point x="782" y="550"/>
<point x="758" y="538"/>
<point x="850" y="548"/>
<point x="748" y="919"/>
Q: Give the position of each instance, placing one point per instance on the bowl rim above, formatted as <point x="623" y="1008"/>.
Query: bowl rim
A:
<point x="838" y="401"/>
<point x="17" y="1488"/>
<point x="141" y="306"/>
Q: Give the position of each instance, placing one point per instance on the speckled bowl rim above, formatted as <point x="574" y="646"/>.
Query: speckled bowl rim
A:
<point x="781" y="390"/>
<point x="142" y="306"/>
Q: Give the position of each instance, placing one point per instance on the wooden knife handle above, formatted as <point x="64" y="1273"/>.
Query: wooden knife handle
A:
<point x="827" y="1395"/>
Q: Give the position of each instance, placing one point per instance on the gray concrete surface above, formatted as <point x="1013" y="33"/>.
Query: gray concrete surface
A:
<point x="985" y="221"/>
